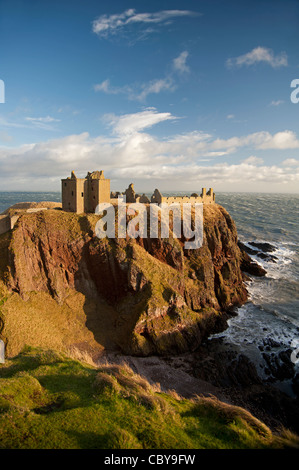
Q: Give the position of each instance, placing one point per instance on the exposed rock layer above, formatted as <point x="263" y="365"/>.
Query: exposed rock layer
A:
<point x="160" y="297"/>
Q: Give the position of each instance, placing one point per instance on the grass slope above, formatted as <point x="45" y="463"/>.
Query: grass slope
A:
<point x="48" y="400"/>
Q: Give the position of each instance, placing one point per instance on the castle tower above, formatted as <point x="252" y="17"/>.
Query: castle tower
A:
<point x="211" y="195"/>
<point x="98" y="190"/>
<point x="82" y="195"/>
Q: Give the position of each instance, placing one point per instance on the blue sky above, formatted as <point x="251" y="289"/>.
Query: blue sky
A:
<point x="175" y="95"/>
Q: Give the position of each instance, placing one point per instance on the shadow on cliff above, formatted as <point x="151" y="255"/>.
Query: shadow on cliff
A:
<point x="117" y="298"/>
<point x="112" y="304"/>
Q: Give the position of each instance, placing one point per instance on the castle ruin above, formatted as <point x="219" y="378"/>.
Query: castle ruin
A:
<point x="82" y="195"/>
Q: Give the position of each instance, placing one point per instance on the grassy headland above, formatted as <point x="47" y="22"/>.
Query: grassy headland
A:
<point x="49" y="400"/>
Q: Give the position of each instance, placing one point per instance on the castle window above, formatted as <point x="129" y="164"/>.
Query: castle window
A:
<point x="64" y="184"/>
<point x="72" y="193"/>
<point x="82" y="194"/>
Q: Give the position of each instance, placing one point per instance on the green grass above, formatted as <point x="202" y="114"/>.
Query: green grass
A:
<point x="48" y="400"/>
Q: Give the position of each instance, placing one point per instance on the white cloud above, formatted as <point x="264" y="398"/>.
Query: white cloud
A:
<point x="257" y="55"/>
<point x="276" y="103"/>
<point x="156" y="86"/>
<point x="5" y="137"/>
<point x="44" y="123"/>
<point x="280" y="140"/>
<point x="131" y="153"/>
<point x="107" y="88"/>
<point x="42" y="119"/>
<point x="136" y="157"/>
<point x="131" y="123"/>
<point x="138" y="92"/>
<point x="104" y="86"/>
<point x="107" y="25"/>
<point x="260" y="140"/>
<point x="230" y="116"/>
<point x="291" y="162"/>
<point x="68" y="109"/>
<point x="232" y="174"/>
<point x="179" y="63"/>
<point x="4" y="122"/>
<point x="30" y="122"/>
<point x="252" y="160"/>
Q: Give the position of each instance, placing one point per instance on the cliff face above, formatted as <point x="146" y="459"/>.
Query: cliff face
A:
<point x="147" y="296"/>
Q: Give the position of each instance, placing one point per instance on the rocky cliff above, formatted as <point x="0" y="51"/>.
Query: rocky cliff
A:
<point x="63" y="286"/>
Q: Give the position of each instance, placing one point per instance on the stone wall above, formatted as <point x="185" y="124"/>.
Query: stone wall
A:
<point x="69" y="199"/>
<point x="157" y="198"/>
<point x="7" y="222"/>
<point x="99" y="192"/>
<point x="204" y="198"/>
<point x="82" y="195"/>
<point x="207" y="198"/>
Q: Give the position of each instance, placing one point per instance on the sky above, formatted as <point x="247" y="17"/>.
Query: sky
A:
<point x="171" y="95"/>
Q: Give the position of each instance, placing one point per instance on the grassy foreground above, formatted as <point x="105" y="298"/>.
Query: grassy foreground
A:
<point x="48" y="400"/>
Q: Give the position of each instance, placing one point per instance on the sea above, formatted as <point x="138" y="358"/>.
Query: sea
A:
<point x="269" y="321"/>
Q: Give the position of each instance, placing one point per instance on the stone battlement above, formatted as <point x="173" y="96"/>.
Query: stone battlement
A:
<point x="157" y="198"/>
<point x="204" y="198"/>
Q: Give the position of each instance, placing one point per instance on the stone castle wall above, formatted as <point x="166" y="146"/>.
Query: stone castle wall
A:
<point x="204" y="198"/>
<point x="7" y="221"/>
<point x="82" y="195"/>
<point x="157" y="198"/>
<point x="186" y="199"/>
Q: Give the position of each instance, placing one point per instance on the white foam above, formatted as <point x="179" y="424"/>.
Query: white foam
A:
<point x="279" y="269"/>
<point x="261" y="317"/>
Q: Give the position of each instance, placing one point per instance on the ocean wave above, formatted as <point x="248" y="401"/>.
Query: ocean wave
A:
<point x="277" y="267"/>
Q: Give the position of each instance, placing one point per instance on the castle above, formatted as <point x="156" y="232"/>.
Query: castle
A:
<point x="82" y="195"/>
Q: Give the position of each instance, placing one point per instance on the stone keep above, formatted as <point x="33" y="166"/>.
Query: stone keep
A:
<point x="82" y="195"/>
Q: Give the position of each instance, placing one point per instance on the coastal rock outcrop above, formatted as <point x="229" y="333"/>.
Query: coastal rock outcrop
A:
<point x="144" y="296"/>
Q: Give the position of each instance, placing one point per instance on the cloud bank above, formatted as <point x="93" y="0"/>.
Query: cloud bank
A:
<point x="131" y="153"/>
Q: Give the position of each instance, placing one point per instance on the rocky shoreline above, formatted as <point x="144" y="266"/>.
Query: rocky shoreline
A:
<point x="219" y="369"/>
